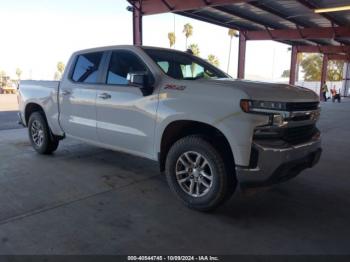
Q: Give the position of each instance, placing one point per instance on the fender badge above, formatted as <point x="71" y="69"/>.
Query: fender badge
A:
<point x="174" y="87"/>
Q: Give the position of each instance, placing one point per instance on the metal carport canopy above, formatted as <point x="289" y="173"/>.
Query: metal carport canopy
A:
<point x="292" y="22"/>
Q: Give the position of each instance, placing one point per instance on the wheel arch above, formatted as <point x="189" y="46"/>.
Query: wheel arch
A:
<point x="33" y="107"/>
<point x="30" y="109"/>
<point x="181" y="128"/>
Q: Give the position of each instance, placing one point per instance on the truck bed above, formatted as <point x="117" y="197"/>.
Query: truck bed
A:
<point x="43" y="93"/>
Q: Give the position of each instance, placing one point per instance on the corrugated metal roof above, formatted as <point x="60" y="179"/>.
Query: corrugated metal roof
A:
<point x="276" y="14"/>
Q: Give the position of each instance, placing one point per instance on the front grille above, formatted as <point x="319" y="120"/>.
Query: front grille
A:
<point x="295" y="135"/>
<point x="302" y="106"/>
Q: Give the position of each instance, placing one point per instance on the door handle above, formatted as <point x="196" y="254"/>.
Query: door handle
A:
<point x="104" y="96"/>
<point x="66" y="92"/>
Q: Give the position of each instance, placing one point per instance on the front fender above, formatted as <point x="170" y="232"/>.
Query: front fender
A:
<point x="237" y="128"/>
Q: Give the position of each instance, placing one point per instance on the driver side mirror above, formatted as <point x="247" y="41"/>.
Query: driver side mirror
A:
<point x="140" y="80"/>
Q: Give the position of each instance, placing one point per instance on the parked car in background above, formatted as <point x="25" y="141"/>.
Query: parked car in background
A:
<point x="208" y="132"/>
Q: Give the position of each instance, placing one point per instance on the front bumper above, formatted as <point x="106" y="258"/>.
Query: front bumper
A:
<point x="277" y="163"/>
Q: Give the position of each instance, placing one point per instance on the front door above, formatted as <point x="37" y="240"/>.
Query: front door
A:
<point x="78" y="97"/>
<point x="125" y="117"/>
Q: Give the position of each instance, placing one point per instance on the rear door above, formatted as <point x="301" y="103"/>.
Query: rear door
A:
<point x="125" y="117"/>
<point x="78" y="96"/>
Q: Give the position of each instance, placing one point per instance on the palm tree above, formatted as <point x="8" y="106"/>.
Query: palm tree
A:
<point x="172" y="39"/>
<point x="231" y="33"/>
<point x="188" y="31"/>
<point x="60" y="67"/>
<point x="195" y="51"/>
<point x="59" y="72"/>
<point x="213" y="60"/>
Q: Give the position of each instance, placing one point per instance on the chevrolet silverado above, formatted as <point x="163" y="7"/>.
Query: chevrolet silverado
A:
<point x="209" y="132"/>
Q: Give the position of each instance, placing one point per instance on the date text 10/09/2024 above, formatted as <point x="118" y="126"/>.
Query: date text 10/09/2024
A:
<point x="173" y="258"/>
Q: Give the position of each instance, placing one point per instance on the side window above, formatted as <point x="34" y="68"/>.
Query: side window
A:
<point x="192" y="71"/>
<point x="122" y="63"/>
<point x="164" y="65"/>
<point x="87" y="68"/>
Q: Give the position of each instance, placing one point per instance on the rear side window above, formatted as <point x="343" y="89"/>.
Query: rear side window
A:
<point x="122" y="63"/>
<point x="86" y="69"/>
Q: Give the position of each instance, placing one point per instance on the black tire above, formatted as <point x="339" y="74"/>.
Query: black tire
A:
<point x="49" y="142"/>
<point x="222" y="184"/>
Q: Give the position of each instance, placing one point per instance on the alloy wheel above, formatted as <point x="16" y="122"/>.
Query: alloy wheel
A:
<point x="194" y="174"/>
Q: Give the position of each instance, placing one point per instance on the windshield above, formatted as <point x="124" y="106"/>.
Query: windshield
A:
<point x="183" y="66"/>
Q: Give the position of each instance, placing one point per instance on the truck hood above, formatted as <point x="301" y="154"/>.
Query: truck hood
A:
<point x="270" y="91"/>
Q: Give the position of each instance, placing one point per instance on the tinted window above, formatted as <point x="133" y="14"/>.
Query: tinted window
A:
<point x="181" y="65"/>
<point x="87" y="68"/>
<point x="122" y="63"/>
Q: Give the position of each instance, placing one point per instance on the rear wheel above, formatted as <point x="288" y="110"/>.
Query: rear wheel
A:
<point x="41" y="138"/>
<point x="197" y="174"/>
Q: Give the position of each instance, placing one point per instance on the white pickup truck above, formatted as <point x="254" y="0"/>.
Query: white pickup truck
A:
<point x="208" y="132"/>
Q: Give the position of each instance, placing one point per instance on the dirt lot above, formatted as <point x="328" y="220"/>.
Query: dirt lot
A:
<point x="86" y="200"/>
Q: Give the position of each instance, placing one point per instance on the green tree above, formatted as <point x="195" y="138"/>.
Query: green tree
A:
<point x="286" y="73"/>
<point x="195" y="49"/>
<point x="335" y="70"/>
<point x="60" y="67"/>
<point x="172" y="39"/>
<point x="188" y="31"/>
<point x="312" y="68"/>
<point x="231" y="33"/>
<point x="213" y="60"/>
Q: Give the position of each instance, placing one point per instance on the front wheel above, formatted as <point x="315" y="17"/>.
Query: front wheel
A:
<point x="40" y="135"/>
<point x="197" y="174"/>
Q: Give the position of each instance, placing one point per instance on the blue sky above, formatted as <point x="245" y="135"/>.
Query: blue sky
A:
<point x="80" y="7"/>
<point x="37" y="34"/>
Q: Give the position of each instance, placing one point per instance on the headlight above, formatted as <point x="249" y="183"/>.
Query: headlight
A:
<point x="263" y="107"/>
<point x="272" y="109"/>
